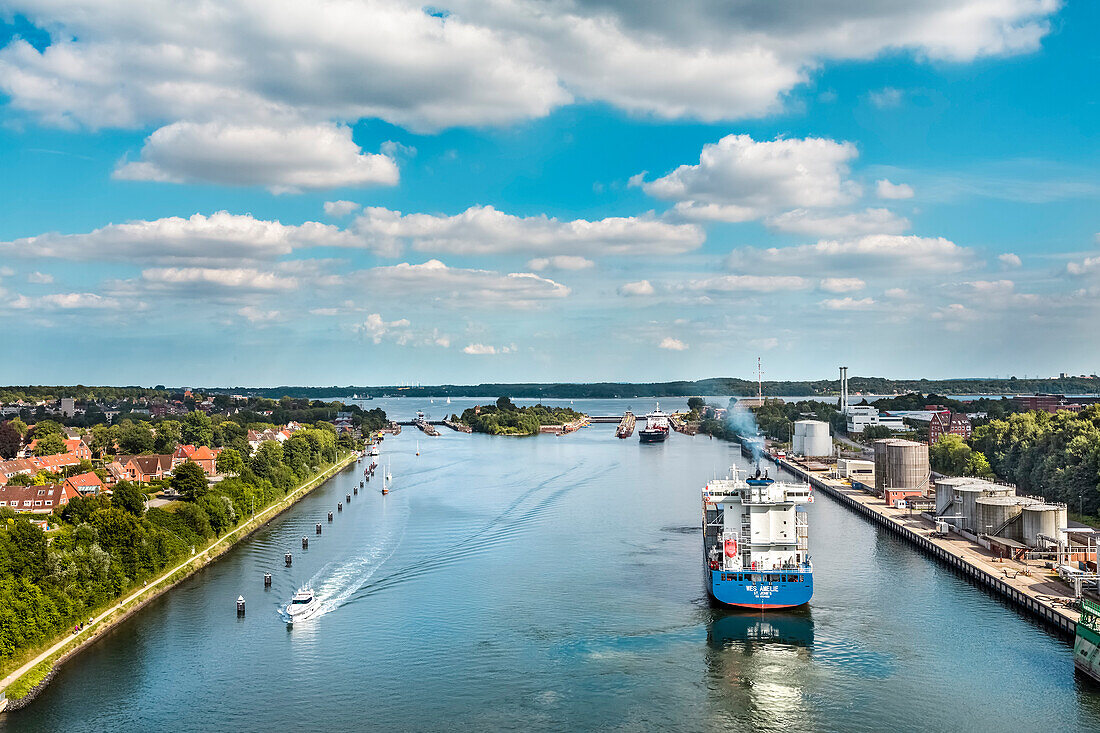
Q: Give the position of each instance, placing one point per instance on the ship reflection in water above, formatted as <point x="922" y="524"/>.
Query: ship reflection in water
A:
<point x="759" y="670"/>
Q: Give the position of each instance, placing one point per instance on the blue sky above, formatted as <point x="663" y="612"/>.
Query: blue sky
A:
<point x="371" y="193"/>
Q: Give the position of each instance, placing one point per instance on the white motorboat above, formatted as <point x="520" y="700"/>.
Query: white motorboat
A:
<point x="374" y="450"/>
<point x="303" y="605"/>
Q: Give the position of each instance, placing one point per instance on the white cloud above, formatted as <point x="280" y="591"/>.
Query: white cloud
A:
<point x="869" y="221"/>
<point x="672" y="344"/>
<point x="1084" y="267"/>
<point x="257" y="315"/>
<point x="748" y="283"/>
<point x="67" y="301"/>
<point x="485" y="230"/>
<point x="842" y="284"/>
<point x="480" y="63"/>
<point x="880" y="252"/>
<point x="466" y="286"/>
<point x="739" y="179"/>
<point x="40" y="278"/>
<point x="638" y="288"/>
<point x="376" y="328"/>
<point x="487" y="350"/>
<point x="236" y="279"/>
<point x="897" y="293"/>
<point x="1008" y="259"/>
<point x="884" y="189"/>
<point x="886" y="97"/>
<point x="339" y="209"/>
<point x="219" y="237"/>
<point x="560" y="262"/>
<point x="848" y="303"/>
<point x="285" y="159"/>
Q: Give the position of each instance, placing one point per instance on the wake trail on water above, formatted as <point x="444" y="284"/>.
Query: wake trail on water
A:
<point x="504" y="527"/>
<point x="337" y="581"/>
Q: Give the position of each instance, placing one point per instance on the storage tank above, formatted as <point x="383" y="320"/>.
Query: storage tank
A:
<point x="881" y="479"/>
<point x="1042" y="519"/>
<point x="811" y="438"/>
<point x="907" y="465"/>
<point x="993" y="512"/>
<point x="945" y="491"/>
<point x="966" y="502"/>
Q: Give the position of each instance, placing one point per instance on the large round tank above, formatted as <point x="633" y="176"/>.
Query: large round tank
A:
<point x="811" y="438"/>
<point x="945" y="491"/>
<point x="881" y="465"/>
<point x="965" y="502"/>
<point x="993" y="515"/>
<point x="1042" y="519"/>
<point x="907" y="465"/>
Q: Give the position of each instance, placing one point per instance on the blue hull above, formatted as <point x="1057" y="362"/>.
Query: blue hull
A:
<point x="761" y="589"/>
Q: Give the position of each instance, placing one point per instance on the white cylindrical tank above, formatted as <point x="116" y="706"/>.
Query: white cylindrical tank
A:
<point x="995" y="512"/>
<point x="1042" y="519"/>
<point x="945" y="491"/>
<point x="966" y="501"/>
<point x="907" y="465"/>
<point x="811" y="438"/>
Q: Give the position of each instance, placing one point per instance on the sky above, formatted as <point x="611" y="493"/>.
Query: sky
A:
<point x="383" y="192"/>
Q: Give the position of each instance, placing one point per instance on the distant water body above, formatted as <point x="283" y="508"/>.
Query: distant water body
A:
<point x="553" y="584"/>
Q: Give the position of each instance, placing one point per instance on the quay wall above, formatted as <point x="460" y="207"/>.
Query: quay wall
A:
<point x="1062" y="623"/>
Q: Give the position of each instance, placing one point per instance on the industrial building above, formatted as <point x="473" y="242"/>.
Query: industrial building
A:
<point x="983" y="508"/>
<point x="855" y="469"/>
<point x="811" y="438"/>
<point x="860" y="416"/>
<point x="901" y="469"/>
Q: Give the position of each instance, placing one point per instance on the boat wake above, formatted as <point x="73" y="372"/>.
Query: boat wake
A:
<point x="338" y="581"/>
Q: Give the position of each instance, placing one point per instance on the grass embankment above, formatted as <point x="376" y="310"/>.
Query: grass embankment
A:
<point x="43" y="658"/>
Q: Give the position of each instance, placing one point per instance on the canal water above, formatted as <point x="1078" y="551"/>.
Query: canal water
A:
<point x="555" y="583"/>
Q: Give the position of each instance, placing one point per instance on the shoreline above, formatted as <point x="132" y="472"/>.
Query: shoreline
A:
<point x="65" y="649"/>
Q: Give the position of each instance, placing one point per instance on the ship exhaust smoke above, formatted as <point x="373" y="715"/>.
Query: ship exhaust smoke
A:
<point x="741" y="421"/>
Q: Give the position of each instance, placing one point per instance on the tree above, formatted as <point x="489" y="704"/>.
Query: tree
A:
<point x="950" y="455"/>
<point x="876" y="432"/>
<point x="48" y="427"/>
<point x="136" y="439"/>
<point x="197" y="429"/>
<point x="99" y="439"/>
<point x="49" y="445"/>
<point x="19" y="425"/>
<point x="128" y="497"/>
<point x="168" y="436"/>
<point x="10" y="441"/>
<point x="504" y="404"/>
<point x="978" y="465"/>
<point x="696" y="403"/>
<point x="189" y="480"/>
<point x="229" y="462"/>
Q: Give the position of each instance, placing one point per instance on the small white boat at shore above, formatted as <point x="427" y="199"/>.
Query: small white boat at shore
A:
<point x="303" y="605"/>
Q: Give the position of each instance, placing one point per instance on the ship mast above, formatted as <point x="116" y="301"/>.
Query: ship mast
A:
<point x="759" y="383"/>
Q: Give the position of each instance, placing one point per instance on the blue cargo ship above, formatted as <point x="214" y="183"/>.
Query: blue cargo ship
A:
<point x="756" y="542"/>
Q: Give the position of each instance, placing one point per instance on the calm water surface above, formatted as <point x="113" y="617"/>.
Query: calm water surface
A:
<point x="555" y="584"/>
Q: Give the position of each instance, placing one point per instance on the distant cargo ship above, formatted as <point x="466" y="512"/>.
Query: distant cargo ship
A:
<point x="755" y="542"/>
<point x="656" y="427"/>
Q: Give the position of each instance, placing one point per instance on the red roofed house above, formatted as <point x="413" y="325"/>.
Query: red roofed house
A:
<point x="954" y="423"/>
<point x="79" y="448"/>
<point x="15" y="466"/>
<point x="144" y="469"/>
<point x="85" y="483"/>
<point x="207" y="459"/>
<point x="182" y="453"/>
<point x="36" y="499"/>
<point x="56" y="463"/>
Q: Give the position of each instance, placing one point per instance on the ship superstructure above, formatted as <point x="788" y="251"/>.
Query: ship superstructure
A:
<point x="756" y="541"/>
<point x="656" y="427"/>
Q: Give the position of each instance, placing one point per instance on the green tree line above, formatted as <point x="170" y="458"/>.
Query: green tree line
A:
<point x="505" y="418"/>
<point x="105" y="546"/>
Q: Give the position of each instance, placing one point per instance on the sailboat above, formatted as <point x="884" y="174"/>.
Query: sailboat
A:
<point x="387" y="479"/>
<point x="448" y="400"/>
<point x="418" y="447"/>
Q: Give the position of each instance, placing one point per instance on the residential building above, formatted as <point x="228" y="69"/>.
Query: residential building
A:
<point x="144" y="469"/>
<point x="207" y="459"/>
<point x="36" y="499"/>
<point x="56" y="463"/>
<point x="183" y="453"/>
<point x="85" y="483"/>
<point x="79" y="448"/>
<point x="953" y="423"/>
